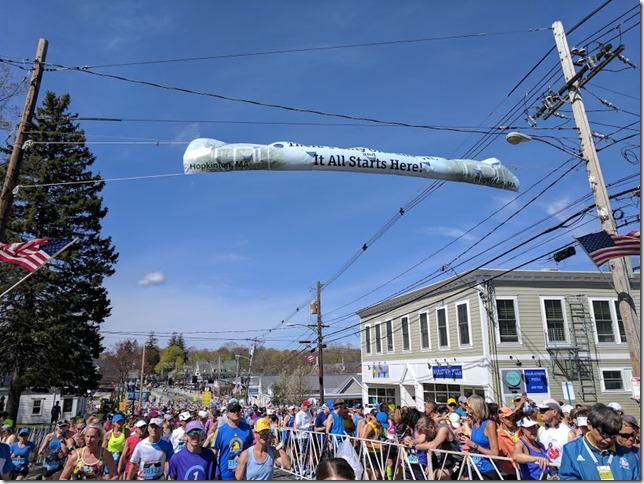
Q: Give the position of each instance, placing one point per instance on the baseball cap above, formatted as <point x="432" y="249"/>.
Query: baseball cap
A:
<point x="184" y="416"/>
<point x="566" y="408"/>
<point x="527" y="422"/>
<point x="306" y="403"/>
<point x="383" y="419"/>
<point x="270" y="411"/>
<point x="374" y="411"/>
<point x="141" y="423"/>
<point x="153" y="414"/>
<point x="60" y="423"/>
<point x="462" y="399"/>
<point x="615" y="406"/>
<point x="117" y="418"/>
<point x="338" y="401"/>
<point x="262" y="424"/>
<point x="292" y="407"/>
<point x="505" y="411"/>
<point x="158" y="421"/>
<point x="455" y="419"/>
<point x="329" y="403"/>
<point x="203" y="413"/>
<point x="195" y="425"/>
<point x="233" y="400"/>
<point x="358" y="405"/>
<point x="451" y="401"/>
<point x="23" y="431"/>
<point x="233" y="406"/>
<point x="631" y="420"/>
<point x="549" y="403"/>
<point x="6" y="427"/>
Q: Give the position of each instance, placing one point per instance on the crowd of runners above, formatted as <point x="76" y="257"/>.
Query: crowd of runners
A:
<point x="466" y="438"/>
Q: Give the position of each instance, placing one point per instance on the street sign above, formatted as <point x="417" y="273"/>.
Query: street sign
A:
<point x="635" y="385"/>
<point x="568" y="391"/>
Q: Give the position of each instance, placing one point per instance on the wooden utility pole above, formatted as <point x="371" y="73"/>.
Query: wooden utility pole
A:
<point x="318" y="307"/>
<point x="13" y="168"/>
<point x="142" y="379"/>
<point x="619" y="269"/>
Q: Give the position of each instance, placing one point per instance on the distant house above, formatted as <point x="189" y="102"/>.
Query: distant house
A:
<point x="345" y="386"/>
<point x="35" y="407"/>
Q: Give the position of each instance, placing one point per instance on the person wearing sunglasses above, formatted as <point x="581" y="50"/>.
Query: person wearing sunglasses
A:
<point x="629" y="435"/>
<point x="232" y="438"/>
<point x="193" y="462"/>
<point x="257" y="463"/>
<point x="597" y="455"/>
<point x="151" y="456"/>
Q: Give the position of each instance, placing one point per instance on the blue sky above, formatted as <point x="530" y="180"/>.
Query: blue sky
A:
<point x="227" y="257"/>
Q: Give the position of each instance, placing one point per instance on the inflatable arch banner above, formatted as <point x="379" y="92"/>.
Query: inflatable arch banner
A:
<point x="205" y="155"/>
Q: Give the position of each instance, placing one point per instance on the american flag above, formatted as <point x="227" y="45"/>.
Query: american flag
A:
<point x="310" y="358"/>
<point x="602" y="246"/>
<point x="33" y="254"/>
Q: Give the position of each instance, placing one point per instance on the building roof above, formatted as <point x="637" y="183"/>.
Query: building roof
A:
<point x="498" y="275"/>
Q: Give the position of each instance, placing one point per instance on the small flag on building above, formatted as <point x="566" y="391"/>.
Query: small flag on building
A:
<point x="33" y="254"/>
<point x="602" y="246"/>
<point x="310" y="358"/>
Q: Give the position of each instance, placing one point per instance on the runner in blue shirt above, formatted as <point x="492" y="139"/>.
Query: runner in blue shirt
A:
<point x="20" y="454"/>
<point x="231" y="440"/>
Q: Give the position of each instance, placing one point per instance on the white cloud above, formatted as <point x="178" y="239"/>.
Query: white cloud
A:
<point x="152" y="279"/>
<point x="559" y="209"/>
<point x="450" y="232"/>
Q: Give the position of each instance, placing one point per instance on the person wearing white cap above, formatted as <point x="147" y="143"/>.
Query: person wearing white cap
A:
<point x="529" y="453"/>
<point x="140" y="433"/>
<point x="151" y="456"/>
<point x="616" y="406"/>
<point x="554" y="434"/>
<point x="178" y="437"/>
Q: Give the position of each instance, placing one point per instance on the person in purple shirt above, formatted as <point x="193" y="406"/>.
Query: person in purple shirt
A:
<point x="193" y="462"/>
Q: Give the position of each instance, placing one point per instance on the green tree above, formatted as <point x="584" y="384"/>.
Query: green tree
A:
<point x="152" y="353"/>
<point x="118" y="363"/>
<point x="51" y="321"/>
<point x="171" y="360"/>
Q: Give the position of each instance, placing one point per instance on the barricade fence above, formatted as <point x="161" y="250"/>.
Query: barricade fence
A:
<point x="306" y="449"/>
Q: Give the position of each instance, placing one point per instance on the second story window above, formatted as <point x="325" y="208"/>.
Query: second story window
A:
<point x="389" y="328"/>
<point x="508" y="327"/>
<point x="555" y="324"/>
<point x="367" y="339"/>
<point x="441" y="322"/>
<point x="424" y="331"/>
<point x="463" y="319"/>
<point x="404" y="324"/>
<point x="378" y="339"/>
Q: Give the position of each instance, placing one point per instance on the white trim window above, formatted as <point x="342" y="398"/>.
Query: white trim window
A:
<point x="616" y="380"/>
<point x="404" y="330"/>
<point x="463" y="323"/>
<point x="509" y="329"/>
<point x="367" y="339"/>
<point x="442" y="327"/>
<point x="36" y="406"/>
<point x="423" y="328"/>
<point x="378" y="338"/>
<point x="389" y="334"/>
<point x="609" y="326"/>
<point x="554" y="319"/>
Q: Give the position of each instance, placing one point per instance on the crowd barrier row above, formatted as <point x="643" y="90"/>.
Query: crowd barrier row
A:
<point x="307" y="448"/>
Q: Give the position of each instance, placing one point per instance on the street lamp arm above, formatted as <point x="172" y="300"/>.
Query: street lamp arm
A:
<point x="516" y="137"/>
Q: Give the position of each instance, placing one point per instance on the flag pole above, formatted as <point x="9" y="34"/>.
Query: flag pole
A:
<point x="32" y="272"/>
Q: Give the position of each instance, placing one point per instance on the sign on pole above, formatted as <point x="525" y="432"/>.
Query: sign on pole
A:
<point x="635" y="385"/>
<point x="568" y="391"/>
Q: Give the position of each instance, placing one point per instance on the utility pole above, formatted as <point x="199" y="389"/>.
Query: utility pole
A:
<point x="142" y="379"/>
<point x="13" y="168"/>
<point x="318" y="308"/>
<point x="619" y="268"/>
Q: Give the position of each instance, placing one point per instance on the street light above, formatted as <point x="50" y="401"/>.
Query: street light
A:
<point x="321" y="345"/>
<point x="247" y="386"/>
<point x="619" y="272"/>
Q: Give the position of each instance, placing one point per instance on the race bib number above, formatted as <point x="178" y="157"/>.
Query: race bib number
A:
<point x="232" y="464"/>
<point x="18" y="461"/>
<point x="152" y="470"/>
<point x="412" y="459"/>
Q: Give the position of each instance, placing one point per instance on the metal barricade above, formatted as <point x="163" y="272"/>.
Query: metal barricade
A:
<point x="306" y="449"/>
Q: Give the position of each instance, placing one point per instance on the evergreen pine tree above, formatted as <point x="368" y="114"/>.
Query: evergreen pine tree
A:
<point x="51" y="321"/>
